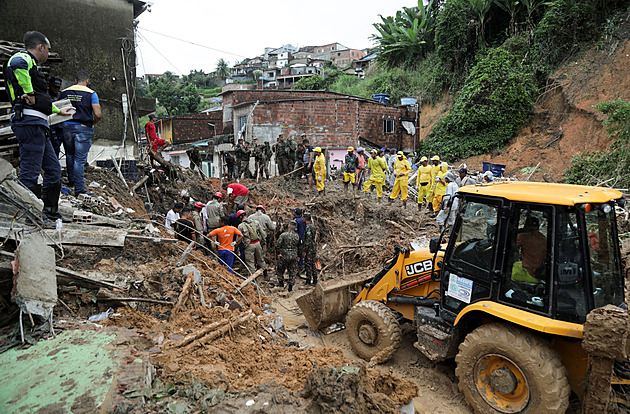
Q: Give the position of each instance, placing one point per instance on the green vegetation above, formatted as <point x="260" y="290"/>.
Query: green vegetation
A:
<point x="494" y="103"/>
<point x="174" y="96"/>
<point x="610" y="166"/>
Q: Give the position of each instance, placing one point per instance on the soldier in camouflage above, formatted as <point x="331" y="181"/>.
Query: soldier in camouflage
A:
<point x="242" y="152"/>
<point x="288" y="245"/>
<point x="309" y="250"/>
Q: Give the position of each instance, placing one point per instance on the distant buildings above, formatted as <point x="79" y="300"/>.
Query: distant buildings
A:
<point x="282" y="67"/>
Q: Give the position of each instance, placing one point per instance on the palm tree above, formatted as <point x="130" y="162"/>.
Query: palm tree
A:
<point x="223" y="69"/>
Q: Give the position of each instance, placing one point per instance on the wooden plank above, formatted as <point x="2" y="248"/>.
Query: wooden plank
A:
<point x="100" y="236"/>
<point x="249" y="279"/>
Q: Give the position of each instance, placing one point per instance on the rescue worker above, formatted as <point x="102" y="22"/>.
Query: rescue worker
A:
<point x="214" y="211"/>
<point x="309" y="250"/>
<point x="291" y="150"/>
<point x="185" y="228"/>
<point x="28" y="91"/>
<point x="390" y="168"/>
<point x="307" y="161"/>
<point x="440" y="186"/>
<point x="435" y="167"/>
<point x="225" y="235"/>
<point x="424" y="181"/>
<point x="319" y="169"/>
<point x="251" y="240"/>
<point x="449" y="202"/>
<point x="266" y="224"/>
<point x="195" y="217"/>
<point x="464" y="178"/>
<point x="350" y="165"/>
<point x="241" y="152"/>
<point x="229" y="161"/>
<point x="266" y="158"/>
<point x="282" y="155"/>
<point x="402" y="168"/>
<point x="362" y="160"/>
<point x="378" y="167"/>
<point x="288" y="245"/>
<point x="487" y="177"/>
<point x="260" y="161"/>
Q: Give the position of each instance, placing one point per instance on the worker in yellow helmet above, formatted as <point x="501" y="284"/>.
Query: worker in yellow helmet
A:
<point x="402" y="168"/>
<point x="319" y="169"/>
<point x="435" y="167"/>
<point x="378" y="167"/>
<point x="440" y="186"/>
<point x="424" y="181"/>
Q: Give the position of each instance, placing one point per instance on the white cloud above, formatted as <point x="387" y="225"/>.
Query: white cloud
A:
<point x="246" y="27"/>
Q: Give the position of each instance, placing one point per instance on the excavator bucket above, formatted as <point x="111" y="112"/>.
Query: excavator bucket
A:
<point x="329" y="301"/>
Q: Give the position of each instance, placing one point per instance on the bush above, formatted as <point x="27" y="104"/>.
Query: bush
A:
<point x="455" y="37"/>
<point x="495" y="102"/>
<point x="612" y="164"/>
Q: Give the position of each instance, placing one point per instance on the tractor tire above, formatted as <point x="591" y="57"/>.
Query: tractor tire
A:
<point x="504" y="369"/>
<point x="373" y="331"/>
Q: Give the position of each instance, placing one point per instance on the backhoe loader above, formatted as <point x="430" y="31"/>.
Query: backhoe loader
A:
<point x="506" y="294"/>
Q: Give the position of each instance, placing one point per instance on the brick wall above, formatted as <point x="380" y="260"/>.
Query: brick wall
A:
<point x="193" y="127"/>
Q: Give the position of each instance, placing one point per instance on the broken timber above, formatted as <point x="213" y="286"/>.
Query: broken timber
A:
<point x="250" y="279"/>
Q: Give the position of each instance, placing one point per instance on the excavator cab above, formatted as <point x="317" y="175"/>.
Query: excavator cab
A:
<point x="506" y="294"/>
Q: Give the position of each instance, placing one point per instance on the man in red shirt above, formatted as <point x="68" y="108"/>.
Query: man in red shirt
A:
<point x="237" y="192"/>
<point x="225" y="234"/>
<point x="157" y="144"/>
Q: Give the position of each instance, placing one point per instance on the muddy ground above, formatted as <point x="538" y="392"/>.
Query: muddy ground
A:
<point x="260" y="355"/>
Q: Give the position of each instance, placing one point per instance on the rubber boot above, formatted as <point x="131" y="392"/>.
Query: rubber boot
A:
<point x="290" y="287"/>
<point x="405" y="204"/>
<point x="314" y="279"/>
<point x="265" y="275"/>
<point x="345" y="190"/>
<point x="379" y="200"/>
<point x="37" y="190"/>
<point x="420" y="207"/>
<point x="281" y="282"/>
<point x="390" y="200"/>
<point x="354" y="191"/>
<point x="50" y="197"/>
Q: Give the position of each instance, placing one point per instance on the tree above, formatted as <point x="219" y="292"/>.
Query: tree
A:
<point x="480" y="8"/>
<point x="177" y="99"/>
<point x="223" y="69"/>
<point x="407" y="37"/>
<point x="510" y="7"/>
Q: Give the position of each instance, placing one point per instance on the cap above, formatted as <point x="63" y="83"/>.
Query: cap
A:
<point x="240" y="213"/>
<point x="383" y="149"/>
<point x="317" y="149"/>
<point x="152" y="116"/>
<point x="435" y="158"/>
<point x="450" y="177"/>
<point x="360" y="149"/>
<point x="218" y="194"/>
<point x="55" y="81"/>
<point x="350" y="148"/>
<point x="400" y="153"/>
<point x="374" y="151"/>
<point x="297" y="211"/>
<point x="199" y="204"/>
<point x="463" y="171"/>
<point x="280" y="135"/>
<point x="424" y="159"/>
<point x="261" y="207"/>
<point x="240" y="207"/>
<point x="392" y="151"/>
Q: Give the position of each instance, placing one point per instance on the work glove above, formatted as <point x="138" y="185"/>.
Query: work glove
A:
<point x="233" y="244"/>
<point x="319" y="179"/>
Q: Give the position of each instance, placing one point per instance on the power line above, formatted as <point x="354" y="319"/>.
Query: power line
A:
<point x="160" y="53"/>
<point x="192" y="43"/>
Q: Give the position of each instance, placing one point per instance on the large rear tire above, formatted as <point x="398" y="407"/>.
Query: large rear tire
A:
<point x="373" y="330"/>
<point x="503" y="369"/>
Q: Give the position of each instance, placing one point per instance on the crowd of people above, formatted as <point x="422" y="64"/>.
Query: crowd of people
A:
<point x="224" y="228"/>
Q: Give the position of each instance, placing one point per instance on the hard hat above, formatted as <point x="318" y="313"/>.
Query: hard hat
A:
<point x="218" y="194"/>
<point x="261" y="207"/>
<point x="374" y="151"/>
<point x="443" y="164"/>
<point x="199" y="204"/>
<point x="240" y="213"/>
<point x="360" y="149"/>
<point x="435" y="158"/>
<point x="350" y="148"/>
<point x="317" y="149"/>
<point x="400" y="153"/>
<point x="424" y="159"/>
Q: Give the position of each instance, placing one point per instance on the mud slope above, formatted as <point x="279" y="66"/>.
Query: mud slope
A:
<point x="565" y="121"/>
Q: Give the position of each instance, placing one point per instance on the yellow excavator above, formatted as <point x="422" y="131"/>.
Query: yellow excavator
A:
<point x="506" y="294"/>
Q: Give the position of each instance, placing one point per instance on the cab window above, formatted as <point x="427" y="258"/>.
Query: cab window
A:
<point x="528" y="260"/>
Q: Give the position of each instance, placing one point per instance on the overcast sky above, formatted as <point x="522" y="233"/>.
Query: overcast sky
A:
<point x="240" y="29"/>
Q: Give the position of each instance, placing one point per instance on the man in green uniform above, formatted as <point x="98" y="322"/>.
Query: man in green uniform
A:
<point x="309" y="250"/>
<point x="288" y="245"/>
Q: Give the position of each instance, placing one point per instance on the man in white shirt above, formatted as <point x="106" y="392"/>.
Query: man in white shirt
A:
<point x="172" y="216"/>
<point x="449" y="198"/>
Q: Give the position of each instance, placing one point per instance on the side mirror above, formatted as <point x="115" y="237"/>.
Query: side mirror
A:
<point x="434" y="245"/>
